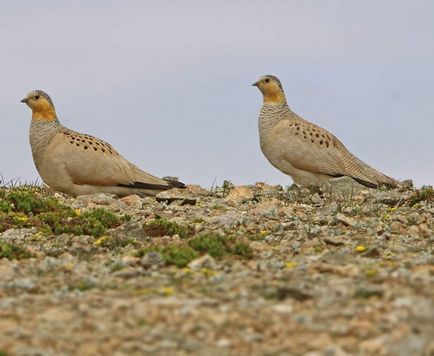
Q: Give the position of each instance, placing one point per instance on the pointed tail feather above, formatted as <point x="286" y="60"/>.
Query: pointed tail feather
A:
<point x="174" y="183"/>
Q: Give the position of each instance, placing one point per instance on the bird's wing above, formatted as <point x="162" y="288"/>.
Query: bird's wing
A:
<point x="311" y="148"/>
<point x="89" y="160"/>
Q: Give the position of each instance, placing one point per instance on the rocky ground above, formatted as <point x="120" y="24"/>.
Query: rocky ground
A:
<point x="247" y="270"/>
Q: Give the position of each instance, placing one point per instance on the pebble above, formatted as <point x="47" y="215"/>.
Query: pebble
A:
<point x="205" y="261"/>
<point x="152" y="259"/>
<point x="314" y="285"/>
<point x="240" y="195"/>
<point x="345" y="219"/>
<point x="176" y="195"/>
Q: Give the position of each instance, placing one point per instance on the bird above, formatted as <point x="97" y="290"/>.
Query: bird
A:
<point x="79" y="164"/>
<point x="308" y="153"/>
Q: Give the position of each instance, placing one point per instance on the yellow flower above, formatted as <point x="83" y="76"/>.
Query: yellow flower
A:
<point x="167" y="291"/>
<point x="22" y="218"/>
<point x="290" y="264"/>
<point x="207" y="272"/>
<point x="77" y="212"/>
<point x="360" y="248"/>
<point x="101" y="241"/>
<point x="371" y="272"/>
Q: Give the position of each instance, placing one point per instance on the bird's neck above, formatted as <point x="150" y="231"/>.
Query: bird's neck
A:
<point x="274" y="98"/>
<point x="270" y="115"/>
<point x="44" y="114"/>
<point x="40" y="134"/>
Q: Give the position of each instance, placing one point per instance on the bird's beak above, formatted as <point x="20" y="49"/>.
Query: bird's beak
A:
<point x="255" y="84"/>
<point x="24" y="100"/>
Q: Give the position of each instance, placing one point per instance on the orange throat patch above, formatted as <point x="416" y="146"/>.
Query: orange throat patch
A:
<point x="274" y="98"/>
<point x="44" y="114"/>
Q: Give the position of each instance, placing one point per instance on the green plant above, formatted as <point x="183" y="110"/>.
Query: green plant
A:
<point x="28" y="201"/>
<point x="218" y="245"/>
<point x="214" y="244"/>
<point x="13" y="252"/>
<point x="243" y="249"/>
<point x="227" y="186"/>
<point x="5" y="206"/>
<point x="177" y="255"/>
<point x="162" y="227"/>
<point x="426" y="192"/>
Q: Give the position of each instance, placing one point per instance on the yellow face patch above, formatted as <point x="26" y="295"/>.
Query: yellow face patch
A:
<point x="272" y="92"/>
<point x="42" y="109"/>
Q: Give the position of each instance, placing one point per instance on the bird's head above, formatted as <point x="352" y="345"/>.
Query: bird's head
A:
<point x="271" y="89"/>
<point x="41" y="104"/>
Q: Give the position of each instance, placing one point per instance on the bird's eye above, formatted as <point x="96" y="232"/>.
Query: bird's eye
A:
<point x="267" y="80"/>
<point x="36" y="97"/>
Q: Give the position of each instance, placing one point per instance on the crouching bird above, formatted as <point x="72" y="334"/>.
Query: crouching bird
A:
<point x="78" y="164"/>
<point x="308" y="153"/>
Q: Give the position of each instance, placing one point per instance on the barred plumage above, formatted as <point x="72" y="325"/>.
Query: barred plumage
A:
<point x="78" y="164"/>
<point x="308" y="153"/>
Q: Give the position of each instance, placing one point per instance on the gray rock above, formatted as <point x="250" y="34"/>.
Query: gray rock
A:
<point x="345" y="219"/>
<point x="390" y="198"/>
<point x="239" y="195"/>
<point x="342" y="186"/>
<point x="176" y="195"/>
<point x="22" y="283"/>
<point x="316" y="199"/>
<point x="152" y="259"/>
<point x="98" y="199"/>
<point x="205" y="261"/>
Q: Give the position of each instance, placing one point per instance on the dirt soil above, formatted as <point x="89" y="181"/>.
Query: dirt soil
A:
<point x="246" y="270"/>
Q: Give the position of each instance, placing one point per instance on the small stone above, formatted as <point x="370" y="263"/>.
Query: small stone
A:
<point x="268" y="208"/>
<point x="152" y="258"/>
<point x="375" y="346"/>
<point x="130" y="260"/>
<point x="132" y="200"/>
<point x="223" y="343"/>
<point x="205" y="261"/>
<point x="240" y="195"/>
<point x="22" y="283"/>
<point x="127" y="273"/>
<point x="342" y="186"/>
<point x="390" y="198"/>
<point x="345" y="219"/>
<point x="98" y="199"/>
<point x="283" y="308"/>
<point x="334" y="240"/>
<point x="176" y="195"/>
<point x="413" y="230"/>
<point x="327" y="210"/>
<point x="316" y="199"/>
<point x="425" y="231"/>
<point x="230" y="219"/>
<point x="197" y="190"/>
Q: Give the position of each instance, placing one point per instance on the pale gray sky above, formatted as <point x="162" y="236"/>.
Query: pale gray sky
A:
<point x="168" y="83"/>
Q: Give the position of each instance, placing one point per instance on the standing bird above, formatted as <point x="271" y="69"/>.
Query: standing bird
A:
<point x="308" y="153"/>
<point x="78" y="164"/>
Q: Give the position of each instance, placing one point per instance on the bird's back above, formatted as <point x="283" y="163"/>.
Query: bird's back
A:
<point x="310" y="148"/>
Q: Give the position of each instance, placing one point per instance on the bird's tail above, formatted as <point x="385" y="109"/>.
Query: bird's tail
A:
<point x="371" y="178"/>
<point x="174" y="183"/>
